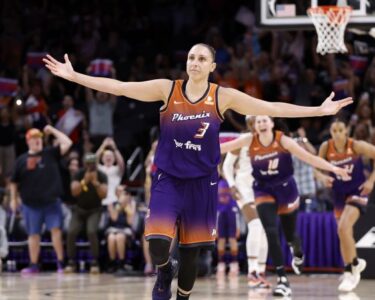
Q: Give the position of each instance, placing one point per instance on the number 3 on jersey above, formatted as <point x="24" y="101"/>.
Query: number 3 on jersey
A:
<point x="202" y="130"/>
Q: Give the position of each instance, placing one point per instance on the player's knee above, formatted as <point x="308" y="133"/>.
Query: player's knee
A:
<point x="272" y="232"/>
<point x="159" y="251"/>
<point x="342" y="230"/>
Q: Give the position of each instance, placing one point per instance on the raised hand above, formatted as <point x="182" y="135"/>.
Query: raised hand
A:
<point x="329" y="107"/>
<point x="48" y="129"/>
<point x="342" y="173"/>
<point x="63" y="70"/>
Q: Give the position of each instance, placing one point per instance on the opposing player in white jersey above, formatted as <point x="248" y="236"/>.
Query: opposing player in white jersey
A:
<point x="240" y="180"/>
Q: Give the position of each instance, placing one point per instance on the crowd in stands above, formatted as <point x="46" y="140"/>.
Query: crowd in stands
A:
<point x="134" y="41"/>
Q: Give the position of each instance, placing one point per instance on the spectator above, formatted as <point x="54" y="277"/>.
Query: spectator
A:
<point x="121" y="219"/>
<point x="37" y="177"/>
<point x="101" y="107"/>
<point x="111" y="163"/>
<point x="7" y="142"/>
<point x="89" y="187"/>
<point x="70" y="120"/>
<point x="304" y="174"/>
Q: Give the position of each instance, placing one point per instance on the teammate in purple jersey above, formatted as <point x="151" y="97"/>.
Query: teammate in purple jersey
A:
<point x="227" y="229"/>
<point x="190" y="114"/>
<point x="276" y="191"/>
<point x="350" y="197"/>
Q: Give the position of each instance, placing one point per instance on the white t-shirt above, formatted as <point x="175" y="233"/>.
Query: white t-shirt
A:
<point x="114" y="178"/>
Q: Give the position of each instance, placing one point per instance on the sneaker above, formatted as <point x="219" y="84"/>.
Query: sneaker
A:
<point x="264" y="283"/>
<point x="69" y="269"/>
<point x="348" y="282"/>
<point x="356" y="270"/>
<point x="162" y="287"/>
<point x="233" y="269"/>
<point x="112" y="267"/>
<point x="32" y="269"/>
<point x="253" y="280"/>
<point x="94" y="269"/>
<point x="282" y="288"/>
<point x="220" y="269"/>
<point x="121" y="272"/>
<point x="349" y="296"/>
<point x="297" y="264"/>
<point x="60" y="267"/>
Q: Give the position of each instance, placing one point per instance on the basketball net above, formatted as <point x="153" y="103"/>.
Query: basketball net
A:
<point x="330" y="23"/>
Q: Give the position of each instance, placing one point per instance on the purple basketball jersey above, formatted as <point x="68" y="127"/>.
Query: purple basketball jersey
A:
<point x="189" y="146"/>
<point x="272" y="164"/>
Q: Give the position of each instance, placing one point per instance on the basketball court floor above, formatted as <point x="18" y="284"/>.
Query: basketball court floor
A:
<point x="106" y="287"/>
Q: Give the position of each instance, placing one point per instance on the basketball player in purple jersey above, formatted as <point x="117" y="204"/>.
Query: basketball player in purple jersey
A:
<point x="227" y="229"/>
<point x="350" y="197"/>
<point x="185" y="186"/>
<point x="275" y="189"/>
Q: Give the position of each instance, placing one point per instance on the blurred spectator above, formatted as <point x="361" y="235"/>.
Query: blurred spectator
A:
<point x="89" y="187"/>
<point x="111" y="163"/>
<point x="101" y="107"/>
<point x="70" y="120"/>
<point x="3" y="234"/>
<point x="7" y="142"/>
<point x="37" y="177"/>
<point x="121" y="216"/>
<point x="35" y="104"/>
<point x="304" y="174"/>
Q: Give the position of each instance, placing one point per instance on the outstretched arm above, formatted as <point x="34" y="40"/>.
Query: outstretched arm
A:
<point x="247" y="105"/>
<point x="63" y="140"/>
<point x="315" y="161"/>
<point x="148" y="91"/>
<point x="368" y="150"/>
<point x="243" y="140"/>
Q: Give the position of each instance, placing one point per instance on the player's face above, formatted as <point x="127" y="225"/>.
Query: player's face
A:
<point x="199" y="63"/>
<point x="263" y="124"/>
<point x="35" y="144"/>
<point x="338" y="131"/>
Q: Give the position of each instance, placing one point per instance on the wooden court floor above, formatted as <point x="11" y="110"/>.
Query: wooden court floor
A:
<point x="49" y="286"/>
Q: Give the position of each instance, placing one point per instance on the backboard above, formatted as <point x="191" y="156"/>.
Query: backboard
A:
<point x="291" y="14"/>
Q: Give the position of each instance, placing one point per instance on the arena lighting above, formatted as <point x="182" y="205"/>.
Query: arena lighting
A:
<point x="19" y="102"/>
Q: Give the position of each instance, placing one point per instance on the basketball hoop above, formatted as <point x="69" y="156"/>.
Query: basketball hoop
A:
<point x="330" y="23"/>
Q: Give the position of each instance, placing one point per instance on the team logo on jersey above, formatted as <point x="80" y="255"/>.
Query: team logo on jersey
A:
<point x="265" y="156"/>
<point x="180" y="117"/>
<point x="209" y="101"/>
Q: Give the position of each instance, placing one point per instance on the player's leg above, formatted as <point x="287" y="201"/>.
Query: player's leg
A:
<point x="187" y="272"/>
<point x="160" y="224"/>
<point x="256" y="240"/>
<point x="288" y="222"/>
<point x="267" y="212"/>
<point x="221" y="242"/>
<point x="233" y="234"/>
<point x="288" y="203"/>
<point x="353" y="265"/>
<point x="197" y="228"/>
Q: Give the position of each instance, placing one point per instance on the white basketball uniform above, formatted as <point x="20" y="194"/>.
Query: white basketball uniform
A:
<point x="241" y="177"/>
